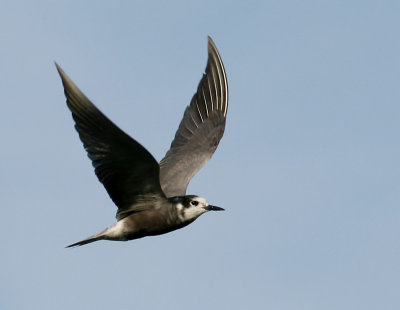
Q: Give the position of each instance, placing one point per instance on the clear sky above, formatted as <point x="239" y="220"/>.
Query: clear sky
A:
<point x="308" y="170"/>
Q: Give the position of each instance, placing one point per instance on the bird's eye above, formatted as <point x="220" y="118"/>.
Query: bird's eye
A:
<point x="194" y="203"/>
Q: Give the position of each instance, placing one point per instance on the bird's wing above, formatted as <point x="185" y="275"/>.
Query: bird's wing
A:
<point x="200" y="130"/>
<point x="127" y="170"/>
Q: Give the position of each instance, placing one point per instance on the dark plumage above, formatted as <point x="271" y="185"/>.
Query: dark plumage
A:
<point x="136" y="183"/>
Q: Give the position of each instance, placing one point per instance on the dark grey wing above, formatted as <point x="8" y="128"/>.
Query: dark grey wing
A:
<point x="127" y="170"/>
<point x="200" y="130"/>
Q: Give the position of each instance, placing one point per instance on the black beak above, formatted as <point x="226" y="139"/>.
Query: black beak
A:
<point x="214" y="208"/>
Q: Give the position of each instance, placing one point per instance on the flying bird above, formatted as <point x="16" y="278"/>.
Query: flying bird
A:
<point x="151" y="196"/>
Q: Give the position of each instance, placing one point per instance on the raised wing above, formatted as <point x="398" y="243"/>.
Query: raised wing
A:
<point x="200" y="130"/>
<point x="127" y="170"/>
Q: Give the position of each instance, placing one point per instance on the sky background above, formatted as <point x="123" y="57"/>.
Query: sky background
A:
<point x="308" y="169"/>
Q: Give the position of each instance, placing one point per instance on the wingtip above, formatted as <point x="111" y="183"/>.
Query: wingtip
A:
<point x="215" y="57"/>
<point x="69" y="86"/>
<point x="58" y="67"/>
<point x="212" y="50"/>
<point x="60" y="71"/>
<point x="211" y="44"/>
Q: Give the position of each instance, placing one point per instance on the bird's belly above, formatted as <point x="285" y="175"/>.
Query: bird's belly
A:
<point x="144" y="224"/>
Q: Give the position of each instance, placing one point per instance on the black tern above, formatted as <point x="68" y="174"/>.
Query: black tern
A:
<point x="151" y="197"/>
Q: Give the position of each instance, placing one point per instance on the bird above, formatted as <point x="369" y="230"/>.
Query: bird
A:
<point x="150" y="196"/>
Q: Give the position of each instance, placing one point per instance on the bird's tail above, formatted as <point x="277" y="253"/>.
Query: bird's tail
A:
<point x="100" y="236"/>
<point x="85" y="241"/>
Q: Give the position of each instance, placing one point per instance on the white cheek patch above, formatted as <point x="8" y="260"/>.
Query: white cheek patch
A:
<point x="195" y="212"/>
<point x="190" y="213"/>
<point x="181" y="211"/>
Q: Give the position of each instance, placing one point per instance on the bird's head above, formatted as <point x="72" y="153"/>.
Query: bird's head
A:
<point x="191" y="207"/>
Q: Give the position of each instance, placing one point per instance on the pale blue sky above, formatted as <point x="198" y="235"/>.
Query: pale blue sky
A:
<point x="308" y="169"/>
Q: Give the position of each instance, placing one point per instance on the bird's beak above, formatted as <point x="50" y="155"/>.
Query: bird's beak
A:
<point x="214" y="208"/>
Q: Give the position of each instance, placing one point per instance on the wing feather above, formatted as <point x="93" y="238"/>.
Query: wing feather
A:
<point x="129" y="173"/>
<point x="200" y="130"/>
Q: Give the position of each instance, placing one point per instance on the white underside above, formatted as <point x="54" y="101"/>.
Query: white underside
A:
<point x="116" y="230"/>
